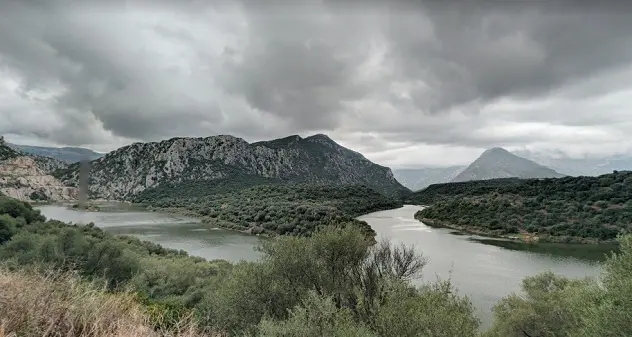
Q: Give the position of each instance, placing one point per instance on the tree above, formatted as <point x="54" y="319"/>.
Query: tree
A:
<point x="316" y="316"/>
<point x="7" y="228"/>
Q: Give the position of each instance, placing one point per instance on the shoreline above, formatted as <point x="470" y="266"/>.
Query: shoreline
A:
<point x="205" y="220"/>
<point x="254" y="230"/>
<point x="523" y="238"/>
<point x="458" y="230"/>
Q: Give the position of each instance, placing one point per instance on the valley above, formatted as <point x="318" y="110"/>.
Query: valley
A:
<point x="295" y="186"/>
<point x="315" y="169"/>
<point x="485" y="272"/>
<point x="327" y="222"/>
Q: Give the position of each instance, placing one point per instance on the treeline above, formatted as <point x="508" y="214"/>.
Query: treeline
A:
<point x="275" y="209"/>
<point x="569" y="209"/>
<point x="334" y="283"/>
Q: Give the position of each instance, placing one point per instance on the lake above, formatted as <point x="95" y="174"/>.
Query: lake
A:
<point x="485" y="270"/>
<point x="171" y="231"/>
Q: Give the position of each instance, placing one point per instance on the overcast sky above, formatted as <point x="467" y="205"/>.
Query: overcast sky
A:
<point x="406" y="85"/>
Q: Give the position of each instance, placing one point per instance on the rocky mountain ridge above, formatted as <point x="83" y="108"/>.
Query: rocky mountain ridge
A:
<point x="26" y="178"/>
<point x="497" y="163"/>
<point x="315" y="160"/>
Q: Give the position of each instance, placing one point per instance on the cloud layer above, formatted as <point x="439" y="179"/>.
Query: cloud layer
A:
<point x="405" y="84"/>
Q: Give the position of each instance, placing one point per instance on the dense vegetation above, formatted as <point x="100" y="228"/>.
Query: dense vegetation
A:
<point x="285" y="209"/>
<point x="570" y="209"/>
<point x="334" y="283"/>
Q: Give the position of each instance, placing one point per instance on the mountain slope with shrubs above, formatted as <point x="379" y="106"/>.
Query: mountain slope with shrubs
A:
<point x="569" y="209"/>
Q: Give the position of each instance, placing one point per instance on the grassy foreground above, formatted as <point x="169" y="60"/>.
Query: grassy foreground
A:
<point x="52" y="303"/>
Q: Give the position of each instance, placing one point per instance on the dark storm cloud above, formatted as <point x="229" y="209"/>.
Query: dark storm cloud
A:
<point x="515" y="50"/>
<point x="103" y="71"/>
<point x="430" y="73"/>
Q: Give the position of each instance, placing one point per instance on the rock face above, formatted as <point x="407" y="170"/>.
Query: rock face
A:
<point x="500" y="163"/>
<point x="21" y="177"/>
<point x="49" y="164"/>
<point x="316" y="159"/>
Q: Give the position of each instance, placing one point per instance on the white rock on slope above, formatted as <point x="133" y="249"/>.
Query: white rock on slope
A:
<point x="21" y="178"/>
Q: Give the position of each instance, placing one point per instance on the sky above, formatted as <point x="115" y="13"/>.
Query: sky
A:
<point x="432" y="83"/>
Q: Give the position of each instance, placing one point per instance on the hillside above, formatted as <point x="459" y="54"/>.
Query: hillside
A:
<point x="569" y="209"/>
<point x="500" y="163"/>
<point x="27" y="178"/>
<point x="416" y="179"/>
<point x="285" y="209"/>
<point x="64" y="154"/>
<point x="124" y="173"/>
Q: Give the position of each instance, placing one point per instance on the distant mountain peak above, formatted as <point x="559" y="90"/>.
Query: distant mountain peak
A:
<point x="65" y="154"/>
<point x="496" y="150"/>
<point x="499" y="163"/>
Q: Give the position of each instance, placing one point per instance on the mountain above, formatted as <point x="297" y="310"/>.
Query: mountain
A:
<point x="65" y="154"/>
<point x="419" y="178"/>
<point x="26" y="178"/>
<point x="500" y="163"/>
<point x="580" y="166"/>
<point x="317" y="159"/>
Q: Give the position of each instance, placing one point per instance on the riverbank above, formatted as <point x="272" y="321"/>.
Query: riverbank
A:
<point x="483" y="271"/>
<point x="519" y="237"/>
<point x="256" y="230"/>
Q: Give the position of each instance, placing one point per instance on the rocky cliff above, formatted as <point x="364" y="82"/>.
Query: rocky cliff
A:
<point x="316" y="160"/>
<point x="22" y="177"/>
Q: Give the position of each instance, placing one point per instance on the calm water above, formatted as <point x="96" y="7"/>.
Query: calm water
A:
<point x="171" y="231"/>
<point x="485" y="270"/>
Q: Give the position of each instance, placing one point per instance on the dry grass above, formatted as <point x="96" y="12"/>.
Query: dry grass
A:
<point x="47" y="304"/>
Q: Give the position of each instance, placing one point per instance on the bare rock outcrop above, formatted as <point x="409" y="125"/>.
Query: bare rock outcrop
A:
<point x="22" y="178"/>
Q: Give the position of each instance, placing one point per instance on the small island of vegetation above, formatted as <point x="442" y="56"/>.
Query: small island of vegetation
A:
<point x="270" y="209"/>
<point x="569" y="209"/>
